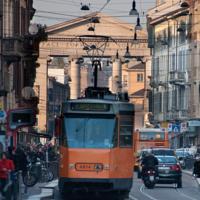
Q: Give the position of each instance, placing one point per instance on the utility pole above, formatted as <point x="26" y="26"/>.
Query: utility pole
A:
<point x="1" y="45"/>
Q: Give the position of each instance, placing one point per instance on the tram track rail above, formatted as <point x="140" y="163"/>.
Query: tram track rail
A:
<point x="142" y="191"/>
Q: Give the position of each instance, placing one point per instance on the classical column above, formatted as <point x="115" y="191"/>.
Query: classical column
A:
<point x="75" y="79"/>
<point x="42" y="81"/>
<point x="116" y="76"/>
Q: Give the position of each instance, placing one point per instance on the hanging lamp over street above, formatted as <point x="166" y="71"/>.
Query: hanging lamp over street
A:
<point x="138" y="25"/>
<point x="135" y="35"/>
<point x="133" y="11"/>
<point x="85" y="7"/>
<point x="91" y="28"/>
<point x="184" y="4"/>
<point x="127" y="53"/>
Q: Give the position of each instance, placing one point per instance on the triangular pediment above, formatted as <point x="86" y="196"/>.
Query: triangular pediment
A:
<point x="108" y="26"/>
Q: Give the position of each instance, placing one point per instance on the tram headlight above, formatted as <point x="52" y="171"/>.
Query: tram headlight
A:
<point x="71" y="166"/>
<point x="106" y="167"/>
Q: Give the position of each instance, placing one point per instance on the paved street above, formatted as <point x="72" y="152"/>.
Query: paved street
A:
<point x="190" y="191"/>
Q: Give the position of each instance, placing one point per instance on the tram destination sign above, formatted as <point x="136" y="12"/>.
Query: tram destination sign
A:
<point x="99" y="107"/>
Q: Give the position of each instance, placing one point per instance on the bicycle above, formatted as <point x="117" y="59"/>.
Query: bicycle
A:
<point x="46" y="174"/>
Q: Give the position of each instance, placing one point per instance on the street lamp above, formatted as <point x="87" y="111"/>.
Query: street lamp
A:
<point x="133" y="11"/>
<point x="138" y="25"/>
<point x="48" y="62"/>
<point x="85" y="7"/>
<point x="127" y="53"/>
<point x="184" y="4"/>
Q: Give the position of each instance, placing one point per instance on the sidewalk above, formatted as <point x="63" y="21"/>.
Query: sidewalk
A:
<point x="190" y="173"/>
<point x="41" y="191"/>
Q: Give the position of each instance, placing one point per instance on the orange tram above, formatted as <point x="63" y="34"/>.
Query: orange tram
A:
<point x="96" y="152"/>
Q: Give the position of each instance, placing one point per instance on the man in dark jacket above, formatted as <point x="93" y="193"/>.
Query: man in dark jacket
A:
<point x="21" y="160"/>
<point x="196" y="169"/>
<point x="149" y="162"/>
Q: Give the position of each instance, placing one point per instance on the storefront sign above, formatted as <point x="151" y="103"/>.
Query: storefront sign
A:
<point x="194" y="123"/>
<point x="1" y="104"/>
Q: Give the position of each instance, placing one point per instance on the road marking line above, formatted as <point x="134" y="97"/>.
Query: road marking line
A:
<point x="145" y="194"/>
<point x="185" y="195"/>
<point x="132" y="197"/>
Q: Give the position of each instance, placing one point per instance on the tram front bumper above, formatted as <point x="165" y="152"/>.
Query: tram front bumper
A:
<point x="95" y="184"/>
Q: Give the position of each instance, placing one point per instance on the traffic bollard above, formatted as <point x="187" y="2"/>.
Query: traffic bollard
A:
<point x="20" y="185"/>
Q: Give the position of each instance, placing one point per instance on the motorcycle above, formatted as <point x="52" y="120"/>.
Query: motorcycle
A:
<point x="149" y="178"/>
<point x="30" y="177"/>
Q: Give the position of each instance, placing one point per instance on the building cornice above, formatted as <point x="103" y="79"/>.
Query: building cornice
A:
<point x="159" y="15"/>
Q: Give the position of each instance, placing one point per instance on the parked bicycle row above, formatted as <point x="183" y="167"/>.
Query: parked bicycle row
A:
<point x="36" y="164"/>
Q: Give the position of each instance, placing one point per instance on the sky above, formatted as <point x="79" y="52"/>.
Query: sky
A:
<point x="51" y="12"/>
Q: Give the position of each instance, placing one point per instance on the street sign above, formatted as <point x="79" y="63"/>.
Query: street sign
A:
<point x="3" y="115"/>
<point x="169" y="127"/>
<point x="175" y="128"/>
<point x="183" y="127"/>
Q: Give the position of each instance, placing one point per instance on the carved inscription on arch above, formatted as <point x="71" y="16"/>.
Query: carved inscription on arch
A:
<point x="69" y="47"/>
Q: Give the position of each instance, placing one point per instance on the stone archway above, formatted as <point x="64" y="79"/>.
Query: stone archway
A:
<point x="67" y="40"/>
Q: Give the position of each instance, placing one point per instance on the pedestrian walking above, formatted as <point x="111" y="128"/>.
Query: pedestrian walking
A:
<point x="6" y="166"/>
<point x="20" y="160"/>
<point x="196" y="168"/>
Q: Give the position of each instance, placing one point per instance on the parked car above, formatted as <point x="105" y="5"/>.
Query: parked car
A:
<point x="182" y="156"/>
<point x="169" y="170"/>
<point x="163" y="151"/>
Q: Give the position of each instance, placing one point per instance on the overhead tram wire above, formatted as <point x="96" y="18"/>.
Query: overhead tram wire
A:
<point x="74" y="16"/>
<point x="73" y="4"/>
<point x="70" y="18"/>
<point x="96" y="3"/>
<point x="108" y="1"/>
<point x="68" y="15"/>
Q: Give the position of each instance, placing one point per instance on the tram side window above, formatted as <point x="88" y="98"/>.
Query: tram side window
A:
<point x="126" y="129"/>
<point x="115" y="136"/>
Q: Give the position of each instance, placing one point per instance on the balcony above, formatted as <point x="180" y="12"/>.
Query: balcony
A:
<point x="177" y="77"/>
<point x="183" y="114"/>
<point x="154" y="83"/>
<point x="168" y="116"/>
<point x="176" y="115"/>
<point x="12" y="48"/>
<point x="30" y="98"/>
<point x="30" y="47"/>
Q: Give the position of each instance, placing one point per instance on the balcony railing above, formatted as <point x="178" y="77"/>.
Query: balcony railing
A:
<point x="177" y="76"/>
<point x="12" y="48"/>
<point x="178" y="114"/>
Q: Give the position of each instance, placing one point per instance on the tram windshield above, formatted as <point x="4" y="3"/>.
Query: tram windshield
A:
<point x="90" y="131"/>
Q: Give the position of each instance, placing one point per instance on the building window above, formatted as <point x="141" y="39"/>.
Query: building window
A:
<point x="125" y="80"/>
<point x="182" y="32"/>
<point x="173" y="62"/>
<point x="139" y="77"/>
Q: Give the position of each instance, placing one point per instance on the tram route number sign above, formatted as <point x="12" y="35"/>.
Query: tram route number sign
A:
<point x="90" y="107"/>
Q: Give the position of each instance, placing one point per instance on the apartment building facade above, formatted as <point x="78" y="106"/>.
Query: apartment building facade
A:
<point x="19" y="42"/>
<point x="175" y="73"/>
